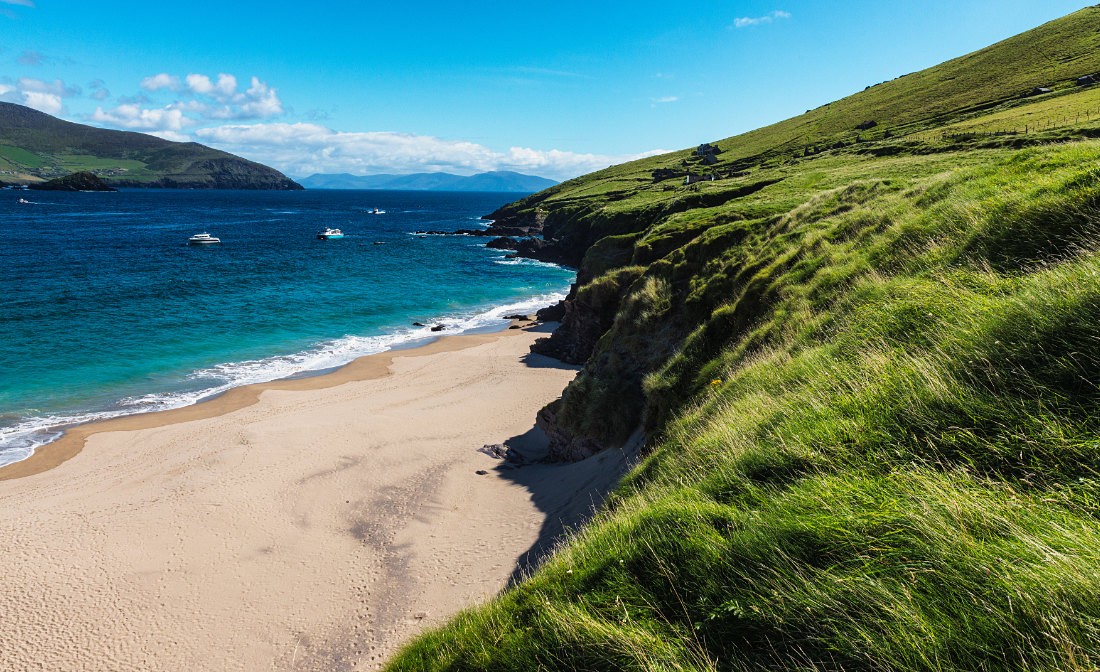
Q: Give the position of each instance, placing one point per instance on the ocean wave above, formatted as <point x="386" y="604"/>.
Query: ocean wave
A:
<point x="524" y="261"/>
<point x="20" y="440"/>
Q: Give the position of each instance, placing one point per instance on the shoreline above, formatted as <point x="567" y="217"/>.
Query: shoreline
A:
<point x="73" y="438"/>
<point x="307" y="524"/>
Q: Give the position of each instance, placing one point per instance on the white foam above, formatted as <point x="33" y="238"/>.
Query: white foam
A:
<point x="19" y="441"/>
<point x="524" y="261"/>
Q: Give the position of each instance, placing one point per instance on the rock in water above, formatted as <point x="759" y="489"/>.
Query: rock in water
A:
<point x="82" y="181"/>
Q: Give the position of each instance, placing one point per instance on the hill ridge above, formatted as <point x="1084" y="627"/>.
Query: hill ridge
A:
<point x="35" y="146"/>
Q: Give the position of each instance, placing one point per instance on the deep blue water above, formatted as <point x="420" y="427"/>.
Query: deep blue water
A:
<point x="105" y="310"/>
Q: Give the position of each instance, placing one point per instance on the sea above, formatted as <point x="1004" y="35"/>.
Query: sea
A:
<point x="106" y="311"/>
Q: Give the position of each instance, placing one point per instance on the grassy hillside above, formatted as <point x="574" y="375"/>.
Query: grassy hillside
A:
<point x="868" y="373"/>
<point x="35" y="147"/>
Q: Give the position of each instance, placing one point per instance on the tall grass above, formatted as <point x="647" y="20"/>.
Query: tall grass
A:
<point x="875" y="447"/>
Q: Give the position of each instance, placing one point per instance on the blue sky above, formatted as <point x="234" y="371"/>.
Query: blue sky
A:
<point x="554" y="89"/>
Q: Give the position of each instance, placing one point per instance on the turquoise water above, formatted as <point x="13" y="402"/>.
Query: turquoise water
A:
<point x="104" y="310"/>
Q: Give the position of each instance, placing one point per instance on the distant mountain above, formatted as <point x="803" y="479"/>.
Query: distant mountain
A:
<point x="35" y="147"/>
<point x="499" y="180"/>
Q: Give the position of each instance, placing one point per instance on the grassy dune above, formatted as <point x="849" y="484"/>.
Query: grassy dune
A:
<point x="869" y="380"/>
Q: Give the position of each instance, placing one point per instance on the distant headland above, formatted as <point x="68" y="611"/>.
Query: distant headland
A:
<point x="495" y="181"/>
<point x="36" y="148"/>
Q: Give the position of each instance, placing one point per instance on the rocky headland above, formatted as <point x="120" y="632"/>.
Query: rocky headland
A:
<point x="81" y="181"/>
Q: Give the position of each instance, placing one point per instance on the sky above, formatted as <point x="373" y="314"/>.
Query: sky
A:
<point x="552" y="89"/>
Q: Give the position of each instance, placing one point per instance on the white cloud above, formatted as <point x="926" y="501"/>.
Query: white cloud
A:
<point x="56" y="87"/>
<point x="304" y="149"/>
<point x="38" y="94"/>
<point x="666" y="99"/>
<point x="746" y="21"/>
<point x="161" y="81"/>
<point x="50" y="103"/>
<point x="21" y="3"/>
<point x="262" y="102"/>
<point x="169" y="135"/>
<point x="206" y="98"/>
<point x="224" y="90"/>
<point x="137" y="118"/>
<point x="198" y="98"/>
<point x="200" y="84"/>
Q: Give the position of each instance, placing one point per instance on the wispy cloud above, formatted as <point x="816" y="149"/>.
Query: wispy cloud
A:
<point x="4" y="11"/>
<point x="304" y="149"/>
<point x="666" y="99"/>
<point x="29" y="57"/>
<point x="772" y="17"/>
<point x="99" y="90"/>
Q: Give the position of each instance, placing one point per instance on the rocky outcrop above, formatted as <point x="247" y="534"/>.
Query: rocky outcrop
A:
<point x="83" y="181"/>
<point x="582" y="325"/>
<point x="564" y="445"/>
<point x="502" y="244"/>
<point x="554" y="313"/>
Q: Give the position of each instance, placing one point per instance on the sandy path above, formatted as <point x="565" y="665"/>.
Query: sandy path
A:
<point x="312" y="525"/>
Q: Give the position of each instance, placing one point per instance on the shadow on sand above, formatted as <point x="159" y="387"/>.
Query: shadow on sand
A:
<point x="568" y="494"/>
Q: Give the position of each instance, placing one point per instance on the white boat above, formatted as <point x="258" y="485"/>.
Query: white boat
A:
<point x="376" y="211"/>
<point x="203" y="239"/>
<point x="24" y="201"/>
<point x="330" y="234"/>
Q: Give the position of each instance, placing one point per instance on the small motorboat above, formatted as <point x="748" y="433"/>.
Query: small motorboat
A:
<point x="203" y="239"/>
<point x="330" y="234"/>
<point x="24" y="201"/>
<point x="376" y="211"/>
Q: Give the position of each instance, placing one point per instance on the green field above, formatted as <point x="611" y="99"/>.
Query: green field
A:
<point x="868" y="374"/>
<point x="17" y="158"/>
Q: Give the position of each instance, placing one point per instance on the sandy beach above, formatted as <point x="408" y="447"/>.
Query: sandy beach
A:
<point x="309" y="524"/>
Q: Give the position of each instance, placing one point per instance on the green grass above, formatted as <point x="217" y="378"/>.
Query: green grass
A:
<point x="868" y="377"/>
<point x="890" y="464"/>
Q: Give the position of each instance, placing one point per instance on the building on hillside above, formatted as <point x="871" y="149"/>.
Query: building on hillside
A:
<point x="692" y="178"/>
<point x="707" y="149"/>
